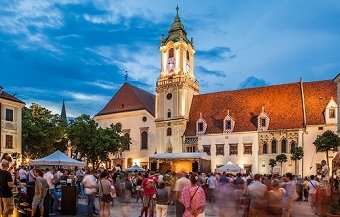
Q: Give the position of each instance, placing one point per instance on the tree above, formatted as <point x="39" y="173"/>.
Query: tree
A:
<point x="281" y="158"/>
<point x="328" y="141"/>
<point x="42" y="132"/>
<point x="95" y="143"/>
<point x="272" y="164"/>
<point x="297" y="154"/>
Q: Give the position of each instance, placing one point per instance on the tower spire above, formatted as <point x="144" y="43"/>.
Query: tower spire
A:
<point x="63" y="111"/>
<point x="177" y="9"/>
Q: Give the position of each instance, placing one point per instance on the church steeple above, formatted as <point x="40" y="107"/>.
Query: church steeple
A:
<point x="63" y="111"/>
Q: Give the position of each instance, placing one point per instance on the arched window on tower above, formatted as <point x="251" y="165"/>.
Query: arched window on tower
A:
<point x="188" y="56"/>
<point x="168" y="132"/>
<point x="171" y="53"/>
<point x="274" y="146"/>
<point x="144" y="140"/>
<point x="265" y="148"/>
<point x="127" y="135"/>
<point x="169" y="113"/>
<point x="284" y="146"/>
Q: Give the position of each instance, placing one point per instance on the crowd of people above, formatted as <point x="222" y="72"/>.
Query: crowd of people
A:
<point x="242" y="194"/>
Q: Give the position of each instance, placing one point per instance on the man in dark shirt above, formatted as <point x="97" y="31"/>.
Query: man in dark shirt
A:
<point x="6" y="182"/>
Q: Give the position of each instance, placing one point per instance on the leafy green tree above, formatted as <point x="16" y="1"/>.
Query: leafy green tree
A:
<point x="297" y="154"/>
<point x="281" y="158"/>
<point x="328" y="141"/>
<point x="272" y="164"/>
<point x="93" y="143"/>
<point x="42" y="132"/>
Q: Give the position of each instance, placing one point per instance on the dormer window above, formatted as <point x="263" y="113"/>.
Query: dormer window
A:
<point x="201" y="126"/>
<point x="228" y="124"/>
<point x="263" y="121"/>
<point x="331" y="112"/>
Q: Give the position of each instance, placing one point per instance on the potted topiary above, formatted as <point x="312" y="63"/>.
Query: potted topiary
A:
<point x="334" y="209"/>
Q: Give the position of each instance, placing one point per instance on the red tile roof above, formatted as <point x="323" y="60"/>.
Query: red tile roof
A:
<point x="130" y="98"/>
<point x="282" y="103"/>
<point x="7" y="96"/>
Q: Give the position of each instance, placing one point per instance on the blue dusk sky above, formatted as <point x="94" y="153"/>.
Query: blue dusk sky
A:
<point x="79" y="50"/>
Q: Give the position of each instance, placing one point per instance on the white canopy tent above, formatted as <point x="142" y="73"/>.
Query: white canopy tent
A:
<point x="57" y="159"/>
<point x="134" y="168"/>
<point x="230" y="167"/>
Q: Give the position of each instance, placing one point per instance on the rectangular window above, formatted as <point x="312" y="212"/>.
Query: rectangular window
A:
<point x="263" y="122"/>
<point x="331" y="113"/>
<point x="9" y="115"/>
<point x="247" y="148"/>
<point x="191" y="149"/>
<point x="9" y="142"/>
<point x="220" y="149"/>
<point x="228" y="125"/>
<point x="206" y="149"/>
<point x="233" y="149"/>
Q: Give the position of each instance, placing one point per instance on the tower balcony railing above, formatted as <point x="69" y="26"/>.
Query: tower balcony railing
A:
<point x="175" y="80"/>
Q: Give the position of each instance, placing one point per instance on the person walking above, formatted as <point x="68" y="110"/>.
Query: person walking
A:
<point x="289" y="196"/>
<point x="179" y="185"/>
<point x="90" y="187"/>
<point x="238" y="185"/>
<point x="258" y="197"/>
<point x="193" y="198"/>
<point x="80" y="176"/>
<point x="212" y="183"/>
<point x="313" y="187"/>
<point x="104" y="188"/>
<point x="40" y="192"/>
<point x="49" y="177"/>
<point x="162" y="197"/>
<point x="139" y="193"/>
<point x="128" y="188"/>
<point x="275" y="199"/>
<point x="149" y="188"/>
<point x="6" y="182"/>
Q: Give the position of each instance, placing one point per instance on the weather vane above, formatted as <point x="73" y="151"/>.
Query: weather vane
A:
<point x="126" y="76"/>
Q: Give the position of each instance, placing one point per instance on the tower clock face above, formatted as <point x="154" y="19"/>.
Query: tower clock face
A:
<point x="171" y="64"/>
<point x="169" y="96"/>
<point x="187" y="67"/>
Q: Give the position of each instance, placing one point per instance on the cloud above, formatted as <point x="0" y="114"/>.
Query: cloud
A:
<point x="104" y="85"/>
<point x="252" y="81"/>
<point x="218" y="54"/>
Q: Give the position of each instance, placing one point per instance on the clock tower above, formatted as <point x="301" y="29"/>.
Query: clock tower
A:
<point x="175" y="88"/>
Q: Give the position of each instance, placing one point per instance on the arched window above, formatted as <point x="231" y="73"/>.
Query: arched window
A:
<point x="129" y="162"/>
<point x="171" y="53"/>
<point x="188" y="56"/>
<point x="168" y="132"/>
<point x="265" y="148"/>
<point x="144" y="140"/>
<point x="274" y="146"/>
<point x="293" y="144"/>
<point x="284" y="146"/>
<point x="169" y="113"/>
<point x="127" y="135"/>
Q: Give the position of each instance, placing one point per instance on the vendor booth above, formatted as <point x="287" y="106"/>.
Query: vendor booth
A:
<point x="230" y="168"/>
<point x="134" y="168"/>
<point x="57" y="159"/>
<point x="68" y="190"/>
<point x="188" y="162"/>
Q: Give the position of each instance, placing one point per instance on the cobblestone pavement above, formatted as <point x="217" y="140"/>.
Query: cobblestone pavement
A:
<point x="301" y="209"/>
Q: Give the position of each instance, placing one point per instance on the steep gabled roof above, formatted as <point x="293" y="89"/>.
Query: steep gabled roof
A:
<point x="7" y="96"/>
<point x="317" y="96"/>
<point x="130" y="98"/>
<point x="282" y="104"/>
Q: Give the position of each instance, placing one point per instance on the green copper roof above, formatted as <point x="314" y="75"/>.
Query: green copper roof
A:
<point x="176" y="31"/>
